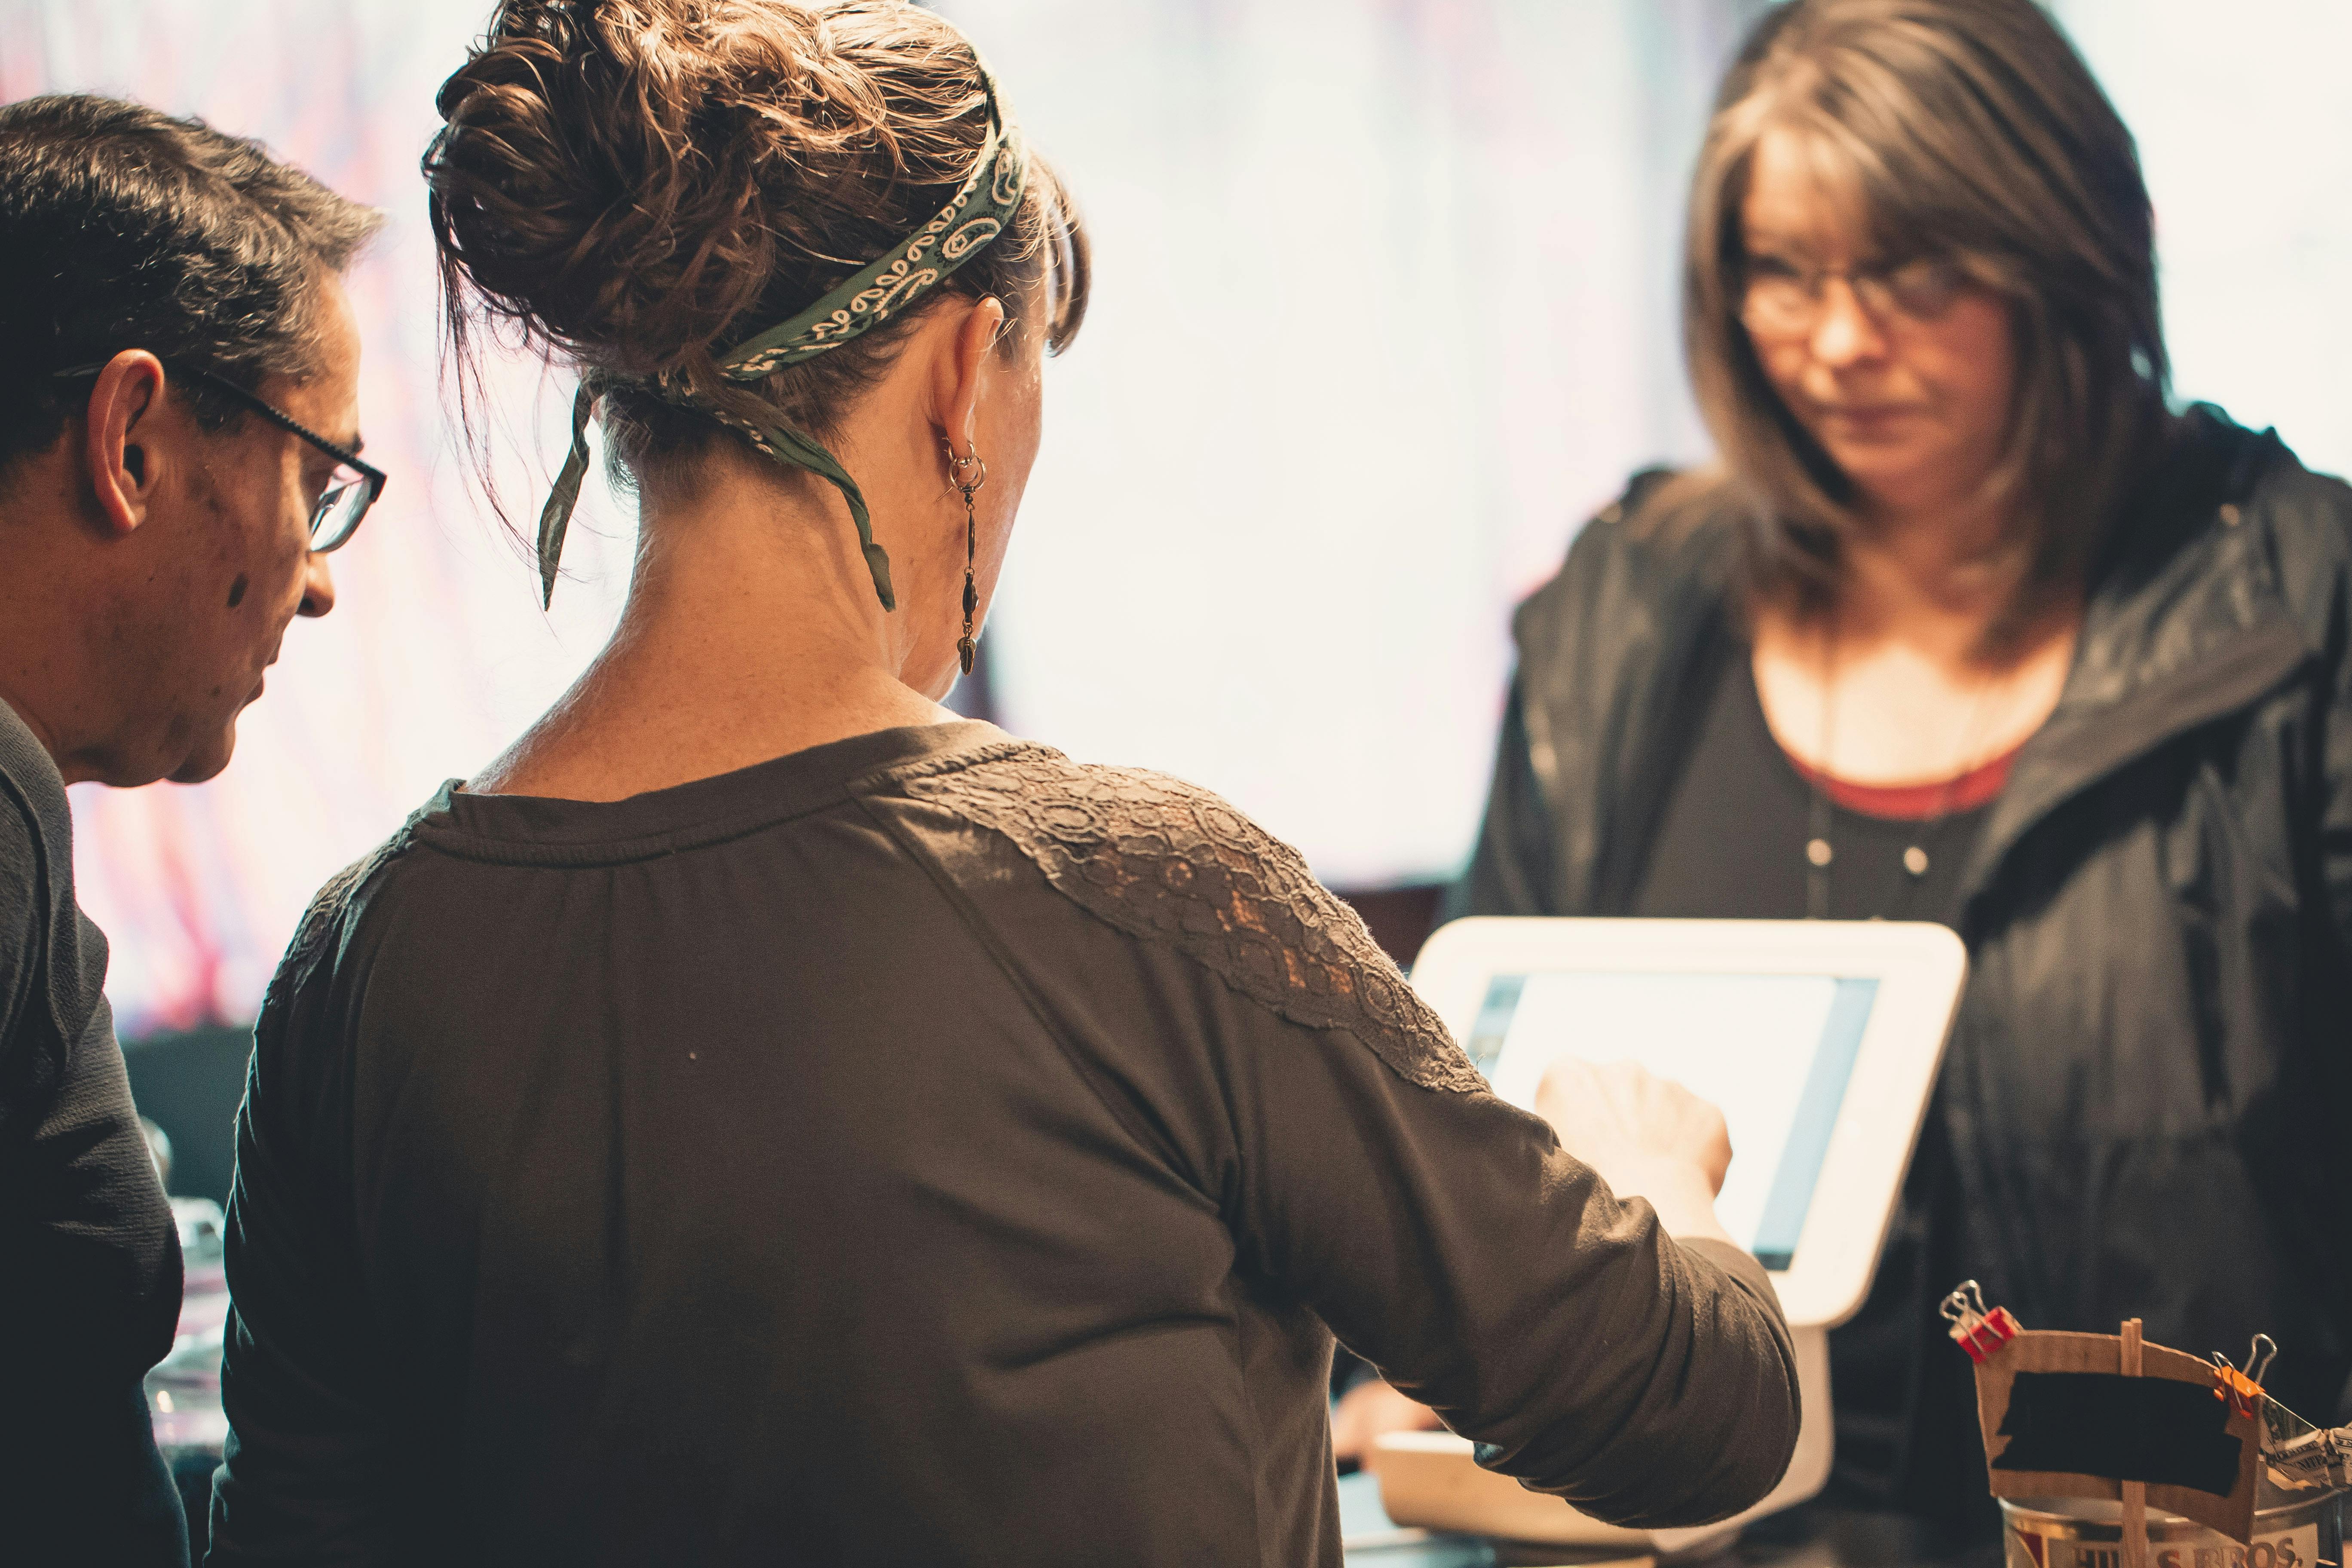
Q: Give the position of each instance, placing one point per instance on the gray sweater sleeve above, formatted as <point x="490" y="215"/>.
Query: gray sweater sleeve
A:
<point x="90" y="1258"/>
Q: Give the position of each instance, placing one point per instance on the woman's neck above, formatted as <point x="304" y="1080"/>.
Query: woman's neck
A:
<point x="752" y="631"/>
<point x="1938" y="579"/>
<point x="1899" y="686"/>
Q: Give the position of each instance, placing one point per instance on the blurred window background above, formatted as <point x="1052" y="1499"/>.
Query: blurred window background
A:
<point x="1385" y="308"/>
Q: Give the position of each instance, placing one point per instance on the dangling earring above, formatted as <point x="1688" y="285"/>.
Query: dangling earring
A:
<point x="967" y="474"/>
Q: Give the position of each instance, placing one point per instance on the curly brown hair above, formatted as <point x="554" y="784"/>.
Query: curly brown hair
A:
<point x="639" y="184"/>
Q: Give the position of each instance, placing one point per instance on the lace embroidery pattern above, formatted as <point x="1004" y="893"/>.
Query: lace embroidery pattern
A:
<point x="321" y="920"/>
<point x="1159" y="859"/>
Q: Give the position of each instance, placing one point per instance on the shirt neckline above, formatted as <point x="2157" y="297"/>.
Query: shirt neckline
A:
<point x="1972" y="790"/>
<point x="548" y="830"/>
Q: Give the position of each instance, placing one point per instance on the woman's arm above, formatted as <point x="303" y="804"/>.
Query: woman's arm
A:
<point x="1640" y="1135"/>
<point x="1244" y="1022"/>
<point x="2336" y="812"/>
<point x="1511" y="865"/>
<point x="1517" y="864"/>
<point x="308" y="1475"/>
<point x="1450" y="1240"/>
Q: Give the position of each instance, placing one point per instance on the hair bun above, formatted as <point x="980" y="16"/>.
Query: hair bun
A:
<point x="638" y="183"/>
<point x="587" y="177"/>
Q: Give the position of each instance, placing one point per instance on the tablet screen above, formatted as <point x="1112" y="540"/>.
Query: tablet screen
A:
<point x="1773" y="1051"/>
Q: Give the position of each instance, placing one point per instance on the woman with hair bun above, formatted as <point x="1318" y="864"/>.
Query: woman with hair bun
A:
<point x="761" y="1118"/>
<point x="1970" y="625"/>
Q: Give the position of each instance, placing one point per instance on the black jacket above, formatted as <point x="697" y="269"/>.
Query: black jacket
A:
<point x="2150" y="1083"/>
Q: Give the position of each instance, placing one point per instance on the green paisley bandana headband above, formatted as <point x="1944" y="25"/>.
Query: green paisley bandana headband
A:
<point x="981" y="210"/>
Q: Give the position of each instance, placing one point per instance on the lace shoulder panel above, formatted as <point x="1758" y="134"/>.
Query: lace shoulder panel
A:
<point x="1161" y="859"/>
<point x="322" y="919"/>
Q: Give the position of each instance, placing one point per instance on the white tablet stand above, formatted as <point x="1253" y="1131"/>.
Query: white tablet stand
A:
<point x="1835" y="1154"/>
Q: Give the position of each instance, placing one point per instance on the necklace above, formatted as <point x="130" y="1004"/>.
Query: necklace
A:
<point x="1820" y="846"/>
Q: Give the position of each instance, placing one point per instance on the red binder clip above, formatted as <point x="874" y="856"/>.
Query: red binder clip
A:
<point x="1976" y="1328"/>
<point x="2240" y="1389"/>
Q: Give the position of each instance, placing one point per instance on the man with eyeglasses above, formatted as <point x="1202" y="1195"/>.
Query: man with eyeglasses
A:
<point x="179" y="434"/>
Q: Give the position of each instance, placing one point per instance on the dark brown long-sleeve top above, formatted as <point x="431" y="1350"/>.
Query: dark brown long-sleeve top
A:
<point x="918" y="1148"/>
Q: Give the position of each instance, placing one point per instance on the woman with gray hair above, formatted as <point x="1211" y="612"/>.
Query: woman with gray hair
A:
<point x="1972" y="625"/>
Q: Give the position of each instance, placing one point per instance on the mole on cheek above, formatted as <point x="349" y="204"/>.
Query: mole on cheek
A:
<point x="237" y="592"/>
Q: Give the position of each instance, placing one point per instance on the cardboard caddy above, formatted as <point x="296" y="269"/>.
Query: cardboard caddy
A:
<point x="2051" y="1398"/>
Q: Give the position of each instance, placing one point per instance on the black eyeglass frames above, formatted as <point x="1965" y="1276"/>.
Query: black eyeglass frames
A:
<point x="352" y="488"/>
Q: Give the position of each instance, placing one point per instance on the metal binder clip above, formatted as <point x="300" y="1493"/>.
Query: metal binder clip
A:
<point x="2241" y="1388"/>
<point x="1977" y="1329"/>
